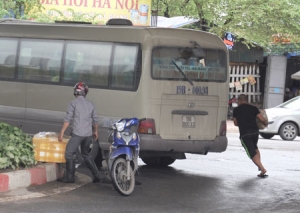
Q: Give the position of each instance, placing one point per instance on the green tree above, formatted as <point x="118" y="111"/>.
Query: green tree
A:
<point x="19" y="7"/>
<point x="253" y="20"/>
<point x="4" y="8"/>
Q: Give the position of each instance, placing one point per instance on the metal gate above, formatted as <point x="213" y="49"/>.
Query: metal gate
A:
<point x="240" y="71"/>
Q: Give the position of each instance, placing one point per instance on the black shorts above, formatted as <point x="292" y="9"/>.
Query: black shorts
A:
<point x="249" y="142"/>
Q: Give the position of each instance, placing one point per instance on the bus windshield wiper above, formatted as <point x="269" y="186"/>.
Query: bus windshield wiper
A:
<point x="184" y="75"/>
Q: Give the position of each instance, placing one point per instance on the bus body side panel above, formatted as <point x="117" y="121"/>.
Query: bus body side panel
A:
<point x="46" y="107"/>
<point x="111" y="106"/>
<point x="12" y="103"/>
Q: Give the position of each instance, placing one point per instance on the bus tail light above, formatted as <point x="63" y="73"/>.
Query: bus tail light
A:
<point x="223" y="128"/>
<point x="147" y="127"/>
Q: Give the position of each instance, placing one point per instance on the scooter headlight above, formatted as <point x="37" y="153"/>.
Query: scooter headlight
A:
<point x="134" y="136"/>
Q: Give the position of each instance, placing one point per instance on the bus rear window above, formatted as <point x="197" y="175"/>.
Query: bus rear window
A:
<point x="197" y="64"/>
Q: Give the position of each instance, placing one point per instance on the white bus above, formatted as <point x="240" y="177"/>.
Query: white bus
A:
<point x="176" y="78"/>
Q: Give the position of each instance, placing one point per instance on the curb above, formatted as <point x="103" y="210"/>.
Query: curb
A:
<point x="37" y="175"/>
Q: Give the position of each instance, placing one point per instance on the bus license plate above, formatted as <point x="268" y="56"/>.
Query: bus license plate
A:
<point x="188" y="121"/>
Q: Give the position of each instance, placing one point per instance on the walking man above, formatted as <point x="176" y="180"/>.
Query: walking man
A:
<point x="244" y="116"/>
<point x="82" y="114"/>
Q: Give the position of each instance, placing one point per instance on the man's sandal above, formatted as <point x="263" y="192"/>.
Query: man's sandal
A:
<point x="262" y="175"/>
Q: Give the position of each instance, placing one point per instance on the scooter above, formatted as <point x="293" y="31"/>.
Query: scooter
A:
<point x="124" y="152"/>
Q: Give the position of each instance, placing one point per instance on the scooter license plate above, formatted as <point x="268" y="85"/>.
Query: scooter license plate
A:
<point x="188" y="121"/>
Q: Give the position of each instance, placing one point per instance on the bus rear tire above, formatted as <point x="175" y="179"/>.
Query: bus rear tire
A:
<point x="158" y="161"/>
<point x="166" y="161"/>
<point x="151" y="161"/>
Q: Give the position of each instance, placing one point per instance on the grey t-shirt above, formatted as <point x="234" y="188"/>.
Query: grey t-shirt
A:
<point x="82" y="114"/>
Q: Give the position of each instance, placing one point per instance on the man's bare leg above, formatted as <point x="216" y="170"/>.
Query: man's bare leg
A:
<point x="256" y="160"/>
<point x="258" y="153"/>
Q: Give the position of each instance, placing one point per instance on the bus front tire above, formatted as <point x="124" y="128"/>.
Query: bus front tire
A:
<point x="158" y="161"/>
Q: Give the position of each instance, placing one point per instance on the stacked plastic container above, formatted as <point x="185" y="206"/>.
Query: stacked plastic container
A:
<point x="48" y="148"/>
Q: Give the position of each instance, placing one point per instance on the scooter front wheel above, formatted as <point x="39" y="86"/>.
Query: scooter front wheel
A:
<point x="122" y="183"/>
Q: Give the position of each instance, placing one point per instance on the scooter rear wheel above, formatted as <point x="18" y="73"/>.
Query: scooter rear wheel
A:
<point x="119" y="178"/>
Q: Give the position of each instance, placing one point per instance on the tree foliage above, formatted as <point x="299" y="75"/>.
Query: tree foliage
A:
<point x="253" y="20"/>
<point x="16" y="8"/>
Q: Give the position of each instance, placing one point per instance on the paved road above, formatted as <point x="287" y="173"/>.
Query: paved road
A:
<point x="218" y="182"/>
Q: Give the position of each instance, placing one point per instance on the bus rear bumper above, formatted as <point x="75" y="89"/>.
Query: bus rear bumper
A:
<point x="156" y="143"/>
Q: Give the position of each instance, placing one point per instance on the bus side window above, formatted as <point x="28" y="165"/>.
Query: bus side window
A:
<point x="35" y="56"/>
<point x="37" y="69"/>
<point x="82" y="68"/>
<point x="53" y="67"/>
<point x="8" y="52"/>
<point x="123" y="73"/>
<point x="69" y="75"/>
<point x="10" y="60"/>
<point x="100" y="75"/>
<point x="32" y="72"/>
<point x="35" y="62"/>
<point x="128" y="77"/>
<point x="8" y="68"/>
<point x="70" y="63"/>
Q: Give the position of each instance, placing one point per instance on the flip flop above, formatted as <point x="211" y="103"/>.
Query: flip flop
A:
<point x="262" y="175"/>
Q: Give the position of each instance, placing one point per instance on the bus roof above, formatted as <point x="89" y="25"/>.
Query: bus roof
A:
<point x="135" y="34"/>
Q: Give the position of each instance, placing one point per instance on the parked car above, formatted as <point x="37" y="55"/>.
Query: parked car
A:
<point x="284" y="120"/>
